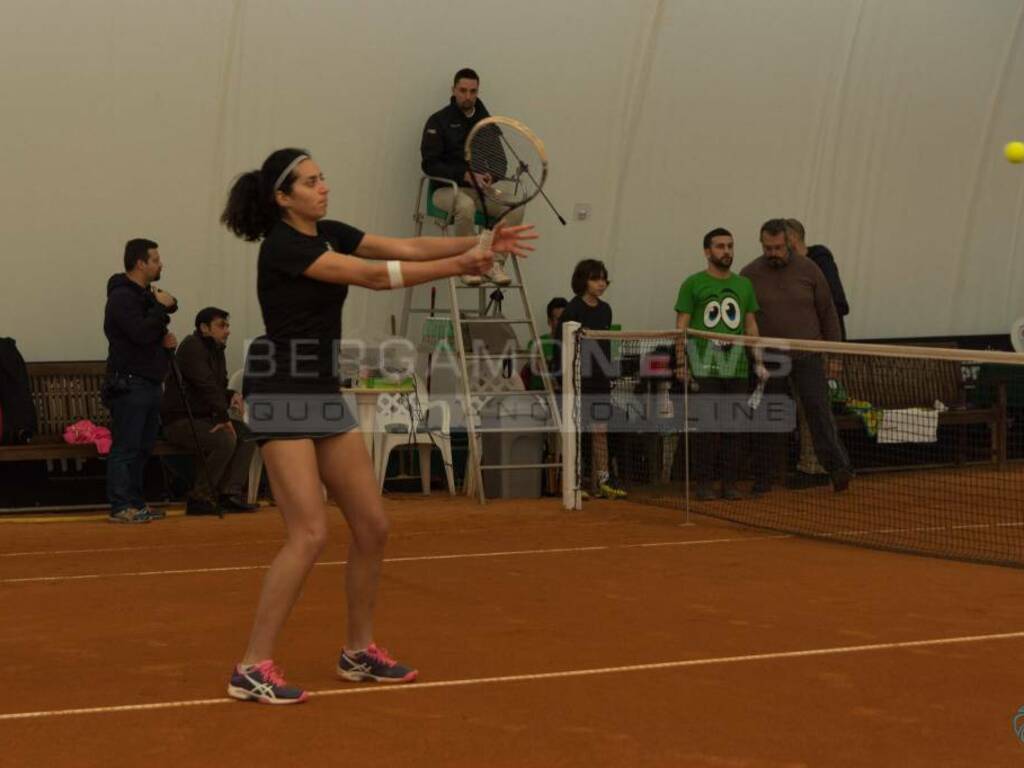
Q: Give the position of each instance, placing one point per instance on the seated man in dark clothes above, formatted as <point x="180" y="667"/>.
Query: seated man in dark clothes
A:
<point x="204" y="373"/>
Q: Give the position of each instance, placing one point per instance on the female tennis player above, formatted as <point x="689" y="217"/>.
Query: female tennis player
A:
<point x="307" y="433"/>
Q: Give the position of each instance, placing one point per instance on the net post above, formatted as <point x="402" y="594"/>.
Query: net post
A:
<point x="685" y="436"/>
<point x="570" y="417"/>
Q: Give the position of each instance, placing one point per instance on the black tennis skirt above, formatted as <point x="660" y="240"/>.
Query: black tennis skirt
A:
<point x="294" y="416"/>
<point x="293" y="407"/>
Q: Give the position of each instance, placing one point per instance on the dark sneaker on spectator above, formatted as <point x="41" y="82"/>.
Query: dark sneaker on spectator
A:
<point x="235" y="504"/>
<point x="841" y="480"/>
<point x="705" y="492"/>
<point x="801" y="480"/>
<point x="155" y="514"/>
<point x="373" y="664"/>
<point x="264" y="683"/>
<point x="761" y="487"/>
<point x="197" y="507"/>
<point x="129" y="515"/>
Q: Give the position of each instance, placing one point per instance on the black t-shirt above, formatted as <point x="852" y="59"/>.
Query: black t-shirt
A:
<point x="595" y="356"/>
<point x="302" y="315"/>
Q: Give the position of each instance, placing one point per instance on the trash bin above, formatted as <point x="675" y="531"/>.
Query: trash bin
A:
<point x="514" y="447"/>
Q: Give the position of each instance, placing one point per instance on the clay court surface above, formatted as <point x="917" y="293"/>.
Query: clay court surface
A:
<point x="611" y="636"/>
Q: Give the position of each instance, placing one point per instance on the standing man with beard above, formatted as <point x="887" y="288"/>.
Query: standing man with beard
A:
<point x="796" y="303"/>
<point x="135" y="322"/>
<point x="442" y="150"/>
<point x="719" y="301"/>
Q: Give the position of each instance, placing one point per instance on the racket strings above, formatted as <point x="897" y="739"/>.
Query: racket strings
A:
<point x="508" y="161"/>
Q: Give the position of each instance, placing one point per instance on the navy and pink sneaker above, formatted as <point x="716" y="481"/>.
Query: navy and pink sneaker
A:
<point x="264" y="683"/>
<point x="373" y="664"/>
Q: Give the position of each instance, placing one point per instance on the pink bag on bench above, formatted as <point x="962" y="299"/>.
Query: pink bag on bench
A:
<point x="86" y="432"/>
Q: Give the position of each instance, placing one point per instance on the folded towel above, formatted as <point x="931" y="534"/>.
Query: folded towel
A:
<point x="910" y="425"/>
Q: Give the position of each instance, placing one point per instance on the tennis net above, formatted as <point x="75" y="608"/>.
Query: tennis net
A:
<point x="913" y="449"/>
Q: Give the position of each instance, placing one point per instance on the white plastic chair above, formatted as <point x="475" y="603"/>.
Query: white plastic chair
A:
<point x="256" y="465"/>
<point x="403" y="419"/>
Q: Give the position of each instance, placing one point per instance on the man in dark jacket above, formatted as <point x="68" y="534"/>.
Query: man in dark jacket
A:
<point x="204" y="373"/>
<point x="442" y="149"/>
<point x="822" y="256"/>
<point x="809" y="471"/>
<point x="135" y="322"/>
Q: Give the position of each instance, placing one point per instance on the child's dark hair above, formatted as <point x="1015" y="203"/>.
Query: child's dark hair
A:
<point x="588" y="269"/>
<point x="251" y="210"/>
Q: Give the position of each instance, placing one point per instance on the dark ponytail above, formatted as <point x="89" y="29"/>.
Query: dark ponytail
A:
<point x="251" y="210"/>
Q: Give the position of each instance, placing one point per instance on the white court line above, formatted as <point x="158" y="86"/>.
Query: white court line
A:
<point x="392" y="536"/>
<point x="148" y="548"/>
<point x="411" y="559"/>
<point x="411" y="534"/>
<point x="414" y="687"/>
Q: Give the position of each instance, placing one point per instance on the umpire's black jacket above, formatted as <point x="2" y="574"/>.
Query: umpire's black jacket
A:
<point x="444" y="139"/>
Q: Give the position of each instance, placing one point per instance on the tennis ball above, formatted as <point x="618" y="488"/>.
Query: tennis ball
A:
<point x="1014" y="151"/>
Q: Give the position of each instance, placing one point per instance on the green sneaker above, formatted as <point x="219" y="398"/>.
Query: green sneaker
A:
<point x="609" y="491"/>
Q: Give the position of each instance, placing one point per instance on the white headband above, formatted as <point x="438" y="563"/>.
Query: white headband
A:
<point x="288" y="170"/>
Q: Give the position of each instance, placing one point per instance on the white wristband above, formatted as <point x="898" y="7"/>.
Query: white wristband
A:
<point x="395" y="274"/>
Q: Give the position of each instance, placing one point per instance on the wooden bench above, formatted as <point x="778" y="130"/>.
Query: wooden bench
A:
<point x="63" y="393"/>
<point x="898" y="382"/>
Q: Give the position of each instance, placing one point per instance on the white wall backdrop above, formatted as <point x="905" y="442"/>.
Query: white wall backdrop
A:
<point x="879" y="123"/>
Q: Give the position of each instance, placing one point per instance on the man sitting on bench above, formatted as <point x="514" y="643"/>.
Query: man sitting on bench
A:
<point x="204" y="374"/>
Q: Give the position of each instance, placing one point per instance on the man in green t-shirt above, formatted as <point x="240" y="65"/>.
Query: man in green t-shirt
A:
<point x="719" y="301"/>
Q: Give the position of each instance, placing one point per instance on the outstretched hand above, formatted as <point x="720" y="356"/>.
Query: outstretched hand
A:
<point x="512" y="239"/>
<point x="475" y="261"/>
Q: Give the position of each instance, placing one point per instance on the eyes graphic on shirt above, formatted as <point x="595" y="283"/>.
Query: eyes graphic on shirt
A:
<point x="731" y="312"/>
<point x="725" y="311"/>
<point x="712" y="314"/>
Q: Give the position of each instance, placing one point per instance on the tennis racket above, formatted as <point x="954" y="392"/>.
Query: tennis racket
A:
<point x="508" y="166"/>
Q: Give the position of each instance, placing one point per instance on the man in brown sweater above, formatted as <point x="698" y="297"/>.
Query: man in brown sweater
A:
<point x="796" y="303"/>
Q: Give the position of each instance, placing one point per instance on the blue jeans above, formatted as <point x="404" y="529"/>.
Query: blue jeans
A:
<point x="134" y="426"/>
